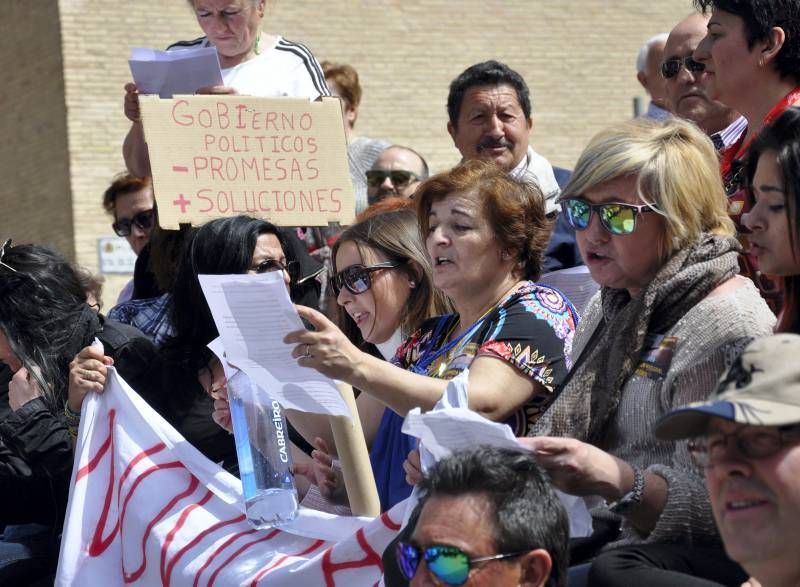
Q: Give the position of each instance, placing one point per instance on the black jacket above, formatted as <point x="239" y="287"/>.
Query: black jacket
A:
<point x="36" y="452"/>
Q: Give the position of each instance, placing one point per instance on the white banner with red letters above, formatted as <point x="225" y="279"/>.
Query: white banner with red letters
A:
<point x="147" y="508"/>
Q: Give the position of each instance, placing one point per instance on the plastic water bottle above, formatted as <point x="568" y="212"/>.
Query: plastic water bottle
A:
<point x="265" y="460"/>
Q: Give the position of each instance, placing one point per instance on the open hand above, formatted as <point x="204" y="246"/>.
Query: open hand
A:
<point x="325" y="349"/>
<point x="579" y="468"/>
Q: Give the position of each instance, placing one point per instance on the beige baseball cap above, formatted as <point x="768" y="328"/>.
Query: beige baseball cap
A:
<point x="761" y="388"/>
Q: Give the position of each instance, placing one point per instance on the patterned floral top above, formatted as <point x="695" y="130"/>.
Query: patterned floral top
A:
<point x="532" y="328"/>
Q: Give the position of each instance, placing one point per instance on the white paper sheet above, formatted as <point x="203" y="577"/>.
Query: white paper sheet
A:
<point x="451" y="427"/>
<point x="253" y="313"/>
<point x="167" y="73"/>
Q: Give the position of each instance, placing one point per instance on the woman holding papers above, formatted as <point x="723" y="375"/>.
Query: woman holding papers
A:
<point x="253" y="63"/>
<point x="384" y="288"/>
<point x="648" y="205"/>
<point x="485" y="234"/>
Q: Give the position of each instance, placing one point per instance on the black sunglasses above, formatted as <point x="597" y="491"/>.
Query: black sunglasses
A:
<point x="672" y="66"/>
<point x="143" y="220"/>
<point x="356" y="278"/>
<point x="400" y="178"/>
<point x="449" y="564"/>
<point x="270" y="265"/>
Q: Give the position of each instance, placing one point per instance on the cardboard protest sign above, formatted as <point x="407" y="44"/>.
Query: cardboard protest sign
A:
<point x="281" y="159"/>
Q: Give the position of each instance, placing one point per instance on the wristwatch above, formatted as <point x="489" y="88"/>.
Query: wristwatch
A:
<point x="631" y="499"/>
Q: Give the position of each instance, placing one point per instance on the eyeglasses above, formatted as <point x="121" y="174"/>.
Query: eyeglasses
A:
<point x="616" y="218"/>
<point x="270" y="265"/>
<point x="753" y="442"/>
<point x="400" y="178"/>
<point x="449" y="564"/>
<point x="671" y="67"/>
<point x="356" y="278"/>
<point x="143" y="220"/>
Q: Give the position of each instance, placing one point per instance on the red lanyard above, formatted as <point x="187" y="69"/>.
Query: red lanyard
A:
<point x="739" y="148"/>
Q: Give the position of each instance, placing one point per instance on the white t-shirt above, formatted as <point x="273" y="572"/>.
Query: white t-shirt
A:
<point x="283" y="69"/>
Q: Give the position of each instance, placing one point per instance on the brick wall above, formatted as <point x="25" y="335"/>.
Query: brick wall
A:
<point x="577" y="56"/>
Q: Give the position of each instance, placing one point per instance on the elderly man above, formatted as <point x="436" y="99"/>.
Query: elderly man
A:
<point x="648" y="63"/>
<point x="488" y="517"/>
<point x="686" y="85"/>
<point x="396" y="172"/>
<point x="489" y="108"/>
<point x="747" y="438"/>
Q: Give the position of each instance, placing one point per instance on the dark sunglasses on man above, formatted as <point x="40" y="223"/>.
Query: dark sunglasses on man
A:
<point x="400" y="178"/>
<point x="356" y="278"/>
<point x="143" y="220"/>
<point x="672" y="66"/>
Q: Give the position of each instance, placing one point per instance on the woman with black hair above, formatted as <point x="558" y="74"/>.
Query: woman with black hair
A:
<point x="189" y="377"/>
<point x="772" y="172"/>
<point x="44" y="322"/>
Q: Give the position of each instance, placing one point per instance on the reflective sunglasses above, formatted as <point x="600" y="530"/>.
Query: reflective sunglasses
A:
<point x="616" y="218"/>
<point x="753" y="442"/>
<point x="143" y="220"/>
<point x="400" y="178"/>
<point x="356" y="278"/>
<point x="270" y="265"/>
<point x="6" y="245"/>
<point x="449" y="564"/>
<point x="671" y="67"/>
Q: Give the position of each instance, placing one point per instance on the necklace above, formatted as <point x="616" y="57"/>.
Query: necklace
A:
<point x="486" y="313"/>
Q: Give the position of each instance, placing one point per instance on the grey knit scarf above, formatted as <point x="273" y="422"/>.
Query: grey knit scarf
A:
<point x="588" y="399"/>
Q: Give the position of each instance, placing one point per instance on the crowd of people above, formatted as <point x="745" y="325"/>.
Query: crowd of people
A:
<point x="686" y="217"/>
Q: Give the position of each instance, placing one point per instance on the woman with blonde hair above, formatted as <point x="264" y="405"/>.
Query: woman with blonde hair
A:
<point x="647" y="202"/>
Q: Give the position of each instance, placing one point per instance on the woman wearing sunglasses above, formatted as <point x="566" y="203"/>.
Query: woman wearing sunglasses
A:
<point x="484" y="234"/>
<point x="772" y="172"/>
<point x="752" y="59"/>
<point x="188" y="376"/>
<point x="384" y="289"/>
<point x="649" y="210"/>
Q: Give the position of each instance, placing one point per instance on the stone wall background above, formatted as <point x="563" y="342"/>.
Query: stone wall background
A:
<point x="62" y="125"/>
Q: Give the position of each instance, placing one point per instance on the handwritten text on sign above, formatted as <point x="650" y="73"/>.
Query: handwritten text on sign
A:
<point x="283" y="159"/>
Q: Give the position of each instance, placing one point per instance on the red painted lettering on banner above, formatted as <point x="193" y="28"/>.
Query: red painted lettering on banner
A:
<point x="371" y="558"/>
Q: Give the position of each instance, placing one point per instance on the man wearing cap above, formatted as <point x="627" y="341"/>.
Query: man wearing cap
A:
<point x="747" y="439"/>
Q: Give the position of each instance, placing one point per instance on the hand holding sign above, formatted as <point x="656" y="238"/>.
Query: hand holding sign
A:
<point x="282" y="159"/>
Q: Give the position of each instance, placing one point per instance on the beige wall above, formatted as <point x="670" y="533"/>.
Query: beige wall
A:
<point x="34" y="163"/>
<point x="577" y="56"/>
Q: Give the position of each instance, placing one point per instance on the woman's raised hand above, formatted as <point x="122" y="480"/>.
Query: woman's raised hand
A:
<point x="325" y="349"/>
<point x="132" y="111"/>
<point x="87" y="372"/>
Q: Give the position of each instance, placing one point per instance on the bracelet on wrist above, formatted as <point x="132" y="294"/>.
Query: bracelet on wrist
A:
<point x="73" y="418"/>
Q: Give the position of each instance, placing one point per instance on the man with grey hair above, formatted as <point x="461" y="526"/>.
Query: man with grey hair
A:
<point x="648" y="72"/>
